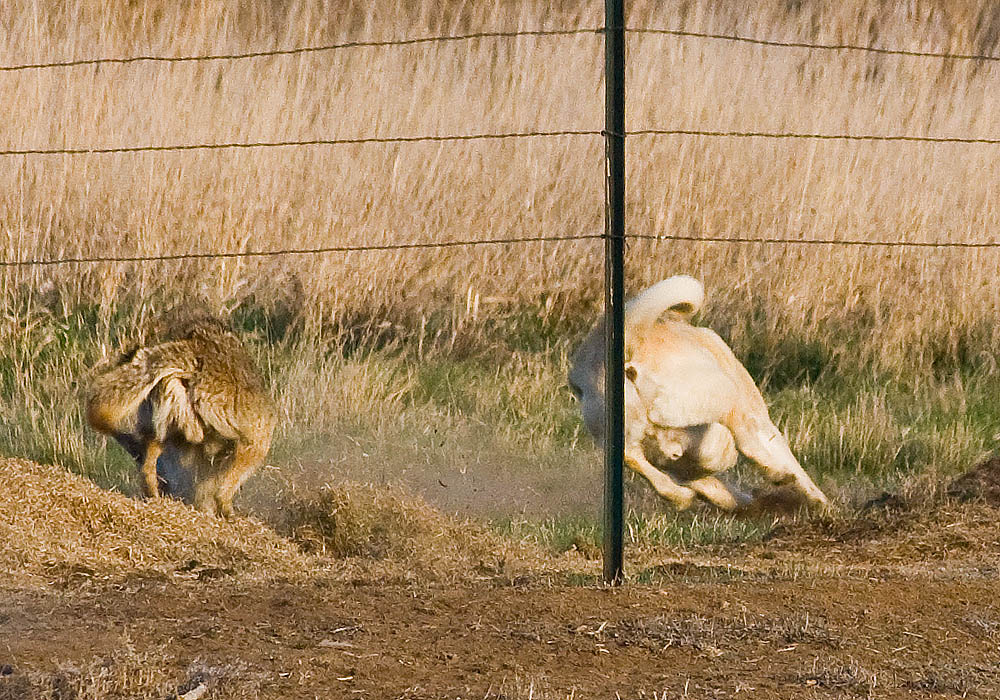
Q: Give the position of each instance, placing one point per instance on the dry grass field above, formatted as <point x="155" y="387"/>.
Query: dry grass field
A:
<point x="426" y="526"/>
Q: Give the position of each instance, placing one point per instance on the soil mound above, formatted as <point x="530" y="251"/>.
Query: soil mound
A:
<point x="954" y="521"/>
<point x="980" y="483"/>
<point x="387" y="524"/>
<point x="56" y="526"/>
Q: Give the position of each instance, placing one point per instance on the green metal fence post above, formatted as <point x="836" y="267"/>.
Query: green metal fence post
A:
<point x="614" y="291"/>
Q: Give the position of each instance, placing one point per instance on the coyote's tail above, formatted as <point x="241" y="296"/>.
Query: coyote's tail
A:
<point x="681" y="294"/>
<point x="115" y="394"/>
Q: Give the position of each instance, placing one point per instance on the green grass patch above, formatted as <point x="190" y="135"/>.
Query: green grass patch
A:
<point x="698" y="527"/>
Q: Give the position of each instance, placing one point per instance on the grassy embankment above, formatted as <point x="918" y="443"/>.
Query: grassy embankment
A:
<point x="447" y="366"/>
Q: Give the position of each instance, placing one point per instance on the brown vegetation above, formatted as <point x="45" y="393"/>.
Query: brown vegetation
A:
<point x="980" y="483"/>
<point x="386" y="523"/>
<point x="105" y="596"/>
<point x="56" y="527"/>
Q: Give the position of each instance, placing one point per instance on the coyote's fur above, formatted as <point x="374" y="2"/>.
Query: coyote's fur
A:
<point x="689" y="403"/>
<point x="189" y="404"/>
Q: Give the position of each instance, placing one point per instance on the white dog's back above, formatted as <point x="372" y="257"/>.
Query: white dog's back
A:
<point x="681" y="295"/>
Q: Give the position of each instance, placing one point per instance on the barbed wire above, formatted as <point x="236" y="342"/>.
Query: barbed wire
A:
<point x="173" y="257"/>
<point x="819" y="241"/>
<point x="489" y="136"/>
<point x="494" y="137"/>
<point x="810" y="45"/>
<point x="176" y="257"/>
<point x="817" y="136"/>
<point x="306" y="142"/>
<point x="472" y="36"/>
<point x="302" y="49"/>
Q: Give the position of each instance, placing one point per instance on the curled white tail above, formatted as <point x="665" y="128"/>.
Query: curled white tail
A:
<point x="680" y="293"/>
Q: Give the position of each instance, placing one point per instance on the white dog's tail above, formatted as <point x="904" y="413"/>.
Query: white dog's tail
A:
<point x="681" y="294"/>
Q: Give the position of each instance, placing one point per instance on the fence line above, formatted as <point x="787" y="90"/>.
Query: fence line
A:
<point x="825" y="47"/>
<point x="492" y="136"/>
<point x="301" y="50"/>
<point x="307" y="142"/>
<point x="496" y="137"/>
<point x="819" y="241"/>
<point x="816" y="136"/>
<point x="297" y="251"/>
<point x="174" y="257"/>
<point x="492" y="35"/>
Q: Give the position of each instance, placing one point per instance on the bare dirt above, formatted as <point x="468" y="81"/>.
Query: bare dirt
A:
<point x="898" y="601"/>
<point x="779" y="639"/>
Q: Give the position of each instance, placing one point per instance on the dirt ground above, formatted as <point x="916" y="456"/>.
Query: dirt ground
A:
<point x="897" y="602"/>
<point x="777" y="639"/>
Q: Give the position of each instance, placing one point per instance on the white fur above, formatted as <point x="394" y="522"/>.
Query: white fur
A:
<point x="689" y="403"/>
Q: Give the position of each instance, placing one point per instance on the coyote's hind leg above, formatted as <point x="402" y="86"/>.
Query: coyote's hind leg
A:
<point x="151" y="485"/>
<point x="245" y="460"/>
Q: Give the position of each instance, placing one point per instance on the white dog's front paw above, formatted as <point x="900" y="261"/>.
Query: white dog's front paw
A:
<point x="683" y="498"/>
<point x="680" y="496"/>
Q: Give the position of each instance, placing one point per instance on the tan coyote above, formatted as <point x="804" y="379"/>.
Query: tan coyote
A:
<point x="190" y="405"/>
<point x="689" y="403"/>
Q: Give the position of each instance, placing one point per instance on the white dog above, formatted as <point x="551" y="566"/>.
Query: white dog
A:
<point x="689" y="403"/>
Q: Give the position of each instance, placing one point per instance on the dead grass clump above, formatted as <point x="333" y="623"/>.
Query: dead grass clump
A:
<point x="384" y="523"/>
<point x="980" y="483"/>
<point x="851" y="679"/>
<point x="949" y="679"/>
<point x="896" y="528"/>
<point x="59" y="527"/>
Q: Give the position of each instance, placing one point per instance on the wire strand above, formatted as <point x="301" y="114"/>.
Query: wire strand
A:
<point x="826" y="47"/>
<point x="286" y="144"/>
<point x="495" y="137"/>
<point x="817" y="136"/>
<point x="301" y="50"/>
<point x="294" y="251"/>
<point x="492" y="35"/>
<point x="820" y="241"/>
<point x="174" y="257"/>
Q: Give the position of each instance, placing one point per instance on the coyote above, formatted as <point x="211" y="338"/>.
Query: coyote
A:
<point x="189" y="405"/>
<point x="689" y="403"/>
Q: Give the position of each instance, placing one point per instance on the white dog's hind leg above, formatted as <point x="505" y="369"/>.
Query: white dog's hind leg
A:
<point x="680" y="496"/>
<point x="764" y="444"/>
<point x="712" y="447"/>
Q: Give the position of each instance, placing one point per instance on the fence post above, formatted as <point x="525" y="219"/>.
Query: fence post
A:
<point x="614" y="290"/>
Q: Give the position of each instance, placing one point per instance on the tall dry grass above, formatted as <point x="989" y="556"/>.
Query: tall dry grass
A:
<point x="902" y="307"/>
